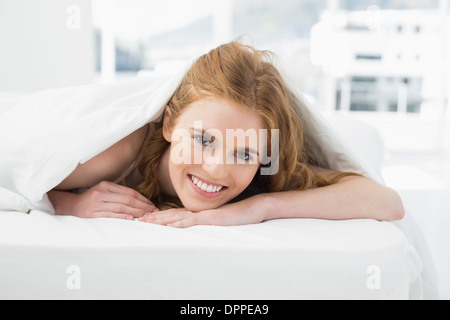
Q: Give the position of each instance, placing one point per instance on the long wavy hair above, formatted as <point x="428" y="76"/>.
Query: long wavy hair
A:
<point x="244" y="75"/>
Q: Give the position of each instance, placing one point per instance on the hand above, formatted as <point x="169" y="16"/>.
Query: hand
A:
<point x="248" y="211"/>
<point x="110" y="200"/>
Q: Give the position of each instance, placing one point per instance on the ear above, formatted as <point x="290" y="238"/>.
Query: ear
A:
<point x="167" y="130"/>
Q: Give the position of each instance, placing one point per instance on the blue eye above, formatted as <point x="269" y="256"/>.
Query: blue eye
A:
<point x="243" y="155"/>
<point x="203" y="140"/>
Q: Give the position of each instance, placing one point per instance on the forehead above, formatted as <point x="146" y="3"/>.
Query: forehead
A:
<point x="221" y="114"/>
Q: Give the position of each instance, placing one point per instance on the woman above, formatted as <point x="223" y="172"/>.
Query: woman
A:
<point x="233" y="87"/>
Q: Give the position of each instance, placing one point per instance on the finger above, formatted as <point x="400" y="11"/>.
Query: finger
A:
<point x="164" y="213"/>
<point x="116" y="188"/>
<point x="148" y="214"/>
<point x="108" y="214"/>
<point x="184" y="223"/>
<point x="128" y="201"/>
<point x="124" y="209"/>
<point x="165" y="217"/>
<point x="181" y="218"/>
<point x="200" y="218"/>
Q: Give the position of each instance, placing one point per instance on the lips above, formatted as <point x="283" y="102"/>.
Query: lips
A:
<point x="205" y="188"/>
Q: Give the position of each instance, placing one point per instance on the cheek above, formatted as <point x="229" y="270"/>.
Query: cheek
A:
<point x="243" y="176"/>
<point x="178" y="162"/>
<point x="182" y="151"/>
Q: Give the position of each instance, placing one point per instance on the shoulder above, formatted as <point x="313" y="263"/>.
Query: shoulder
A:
<point x="108" y="165"/>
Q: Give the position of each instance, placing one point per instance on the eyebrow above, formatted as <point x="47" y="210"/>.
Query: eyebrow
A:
<point x="249" y="150"/>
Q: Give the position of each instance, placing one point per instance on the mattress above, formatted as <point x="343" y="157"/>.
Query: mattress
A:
<point x="44" y="256"/>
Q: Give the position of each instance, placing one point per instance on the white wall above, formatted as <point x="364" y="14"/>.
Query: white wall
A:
<point x="45" y="44"/>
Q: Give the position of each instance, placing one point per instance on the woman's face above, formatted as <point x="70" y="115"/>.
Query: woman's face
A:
<point x="214" y="152"/>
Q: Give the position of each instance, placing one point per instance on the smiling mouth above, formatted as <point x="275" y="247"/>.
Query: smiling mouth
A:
<point x="204" y="187"/>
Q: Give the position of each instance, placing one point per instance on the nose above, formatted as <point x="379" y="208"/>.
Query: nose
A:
<point x="214" y="164"/>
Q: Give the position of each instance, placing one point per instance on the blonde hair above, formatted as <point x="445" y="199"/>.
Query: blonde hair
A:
<point x="244" y="75"/>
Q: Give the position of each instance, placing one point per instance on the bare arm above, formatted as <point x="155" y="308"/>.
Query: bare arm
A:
<point x="103" y="198"/>
<point x="106" y="166"/>
<point x="352" y="197"/>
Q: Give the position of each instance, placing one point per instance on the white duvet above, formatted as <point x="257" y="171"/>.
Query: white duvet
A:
<point x="45" y="135"/>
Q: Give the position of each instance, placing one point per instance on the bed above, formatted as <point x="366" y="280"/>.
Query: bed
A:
<point x="53" y="257"/>
<point x="43" y="256"/>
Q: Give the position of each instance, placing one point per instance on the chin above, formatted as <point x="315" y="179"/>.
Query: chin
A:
<point x="196" y="207"/>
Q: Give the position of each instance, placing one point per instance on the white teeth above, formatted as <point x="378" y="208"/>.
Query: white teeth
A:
<point x="205" y="186"/>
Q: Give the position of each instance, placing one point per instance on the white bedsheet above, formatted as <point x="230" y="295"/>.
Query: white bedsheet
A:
<point x="53" y="257"/>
